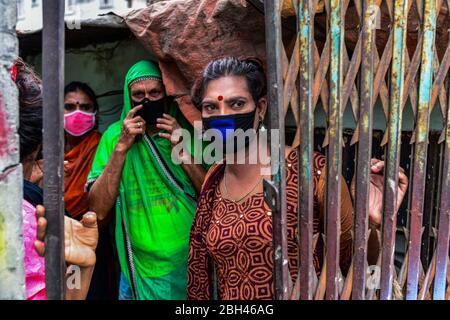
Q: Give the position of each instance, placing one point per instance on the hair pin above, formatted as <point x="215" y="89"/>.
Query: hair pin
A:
<point x="14" y="72"/>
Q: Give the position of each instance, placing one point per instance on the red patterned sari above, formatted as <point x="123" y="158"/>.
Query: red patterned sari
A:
<point x="233" y="241"/>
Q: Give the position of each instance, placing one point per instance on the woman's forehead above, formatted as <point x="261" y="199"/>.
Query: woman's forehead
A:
<point x="147" y="84"/>
<point x="226" y="87"/>
<point x="77" y="96"/>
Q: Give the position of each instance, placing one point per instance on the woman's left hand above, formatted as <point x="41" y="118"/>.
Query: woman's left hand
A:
<point x="170" y="124"/>
<point x="376" y="191"/>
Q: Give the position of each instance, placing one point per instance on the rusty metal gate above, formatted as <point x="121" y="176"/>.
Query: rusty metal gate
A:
<point x="303" y="73"/>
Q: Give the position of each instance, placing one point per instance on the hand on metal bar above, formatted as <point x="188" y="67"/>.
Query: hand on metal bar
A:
<point x="80" y="242"/>
<point x="81" y="238"/>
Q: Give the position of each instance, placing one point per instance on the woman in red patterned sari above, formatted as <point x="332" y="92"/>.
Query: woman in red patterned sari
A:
<point x="231" y="236"/>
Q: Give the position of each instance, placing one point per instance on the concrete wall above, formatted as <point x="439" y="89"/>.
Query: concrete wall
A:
<point x="12" y="279"/>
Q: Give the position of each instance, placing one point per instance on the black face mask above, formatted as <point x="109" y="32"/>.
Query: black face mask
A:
<point x="151" y="110"/>
<point x="232" y="122"/>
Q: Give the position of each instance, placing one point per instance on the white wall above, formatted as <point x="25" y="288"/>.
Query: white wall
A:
<point x="30" y="15"/>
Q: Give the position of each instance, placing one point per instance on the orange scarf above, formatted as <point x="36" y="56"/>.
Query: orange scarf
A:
<point x="76" y="171"/>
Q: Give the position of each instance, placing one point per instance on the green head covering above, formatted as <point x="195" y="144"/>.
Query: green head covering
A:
<point x="157" y="214"/>
<point x="142" y="70"/>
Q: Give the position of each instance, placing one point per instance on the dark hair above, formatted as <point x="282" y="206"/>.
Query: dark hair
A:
<point x="250" y="68"/>
<point x="75" y="86"/>
<point x="29" y="86"/>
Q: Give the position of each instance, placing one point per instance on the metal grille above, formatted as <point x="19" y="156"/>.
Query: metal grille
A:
<point x="305" y="72"/>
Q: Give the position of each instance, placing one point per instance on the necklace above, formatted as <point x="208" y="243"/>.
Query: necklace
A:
<point x="245" y="196"/>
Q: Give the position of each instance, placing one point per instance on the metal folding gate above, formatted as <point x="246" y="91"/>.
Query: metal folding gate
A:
<point x="337" y="78"/>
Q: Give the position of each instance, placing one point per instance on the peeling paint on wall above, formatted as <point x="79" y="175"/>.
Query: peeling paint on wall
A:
<point x="4" y="129"/>
<point x="12" y="276"/>
<point x="2" y="241"/>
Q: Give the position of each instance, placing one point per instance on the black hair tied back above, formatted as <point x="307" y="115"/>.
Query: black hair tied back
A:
<point x="250" y="68"/>
<point x="29" y="86"/>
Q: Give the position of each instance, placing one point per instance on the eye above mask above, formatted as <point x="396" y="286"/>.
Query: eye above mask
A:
<point x="78" y="123"/>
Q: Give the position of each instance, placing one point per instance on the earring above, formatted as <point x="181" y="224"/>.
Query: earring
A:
<point x="261" y="126"/>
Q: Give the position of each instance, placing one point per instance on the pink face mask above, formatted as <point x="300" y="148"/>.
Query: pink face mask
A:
<point x="79" y="122"/>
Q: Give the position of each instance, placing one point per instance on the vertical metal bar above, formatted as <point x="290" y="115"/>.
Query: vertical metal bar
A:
<point x="53" y="85"/>
<point x="334" y="159"/>
<point x="442" y="247"/>
<point x="420" y="148"/>
<point x="274" y="45"/>
<point x="305" y="159"/>
<point x="393" y="148"/>
<point x="364" y="152"/>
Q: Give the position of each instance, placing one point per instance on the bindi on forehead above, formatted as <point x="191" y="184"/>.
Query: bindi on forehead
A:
<point x="220" y="98"/>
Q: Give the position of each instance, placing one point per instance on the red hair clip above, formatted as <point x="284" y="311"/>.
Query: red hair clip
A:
<point x="14" y="72"/>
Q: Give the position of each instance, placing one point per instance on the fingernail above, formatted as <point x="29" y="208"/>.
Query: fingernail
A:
<point x="89" y="215"/>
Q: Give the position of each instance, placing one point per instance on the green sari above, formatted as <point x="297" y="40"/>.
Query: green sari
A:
<point x="155" y="207"/>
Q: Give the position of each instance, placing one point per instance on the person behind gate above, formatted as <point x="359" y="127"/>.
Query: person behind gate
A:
<point x="231" y="237"/>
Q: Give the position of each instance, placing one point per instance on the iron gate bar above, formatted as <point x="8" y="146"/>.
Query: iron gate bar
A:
<point x="305" y="151"/>
<point x="334" y="156"/>
<point x="404" y="73"/>
<point x="420" y="147"/>
<point x="413" y="68"/>
<point x="274" y="46"/>
<point x="53" y="145"/>
<point x="393" y="148"/>
<point x="364" y="151"/>
<point x="442" y="247"/>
